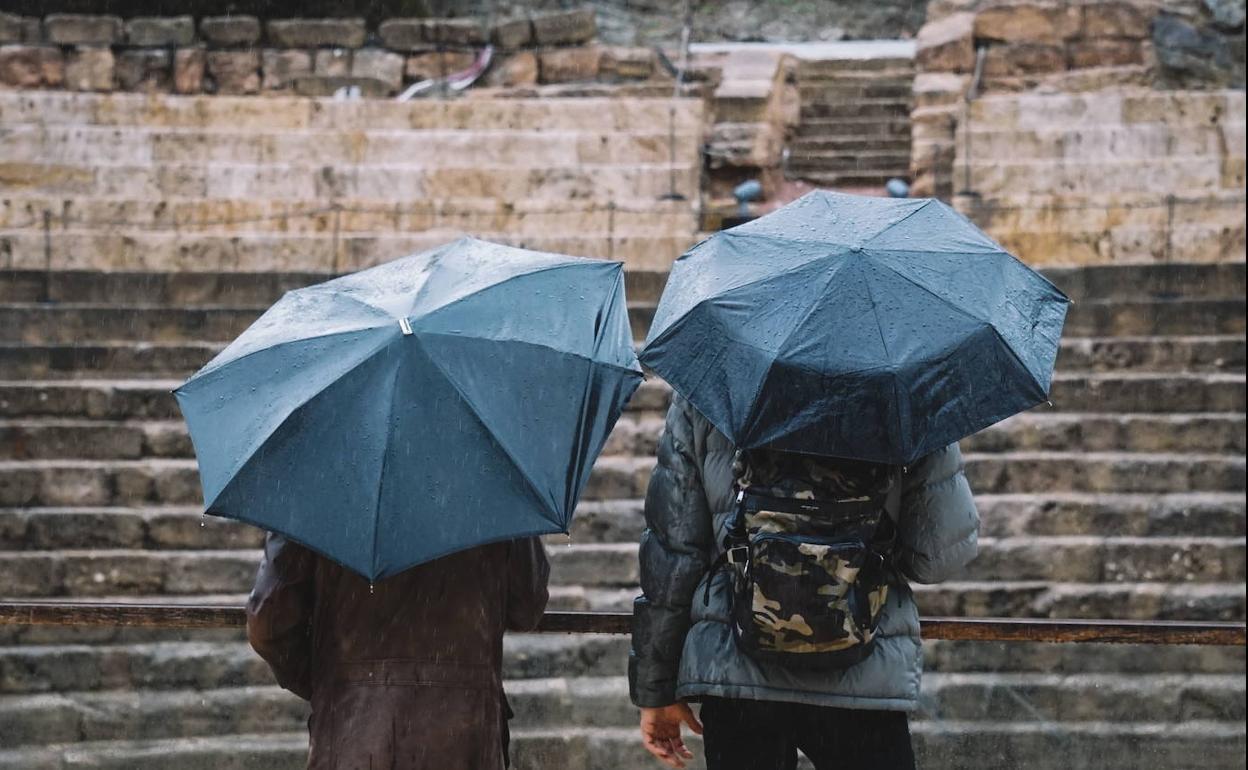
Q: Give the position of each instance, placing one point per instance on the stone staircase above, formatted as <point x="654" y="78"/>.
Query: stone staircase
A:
<point x="160" y="183"/>
<point x="1106" y="177"/>
<point x="1125" y="499"/>
<point x="854" y="130"/>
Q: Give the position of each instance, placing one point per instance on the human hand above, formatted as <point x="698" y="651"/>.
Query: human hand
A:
<point x="660" y="732"/>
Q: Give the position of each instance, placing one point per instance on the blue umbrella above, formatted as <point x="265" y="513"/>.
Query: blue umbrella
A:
<point x="434" y="403"/>
<point x="870" y="328"/>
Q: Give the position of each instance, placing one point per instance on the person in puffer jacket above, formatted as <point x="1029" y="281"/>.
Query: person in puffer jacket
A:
<point x="757" y="716"/>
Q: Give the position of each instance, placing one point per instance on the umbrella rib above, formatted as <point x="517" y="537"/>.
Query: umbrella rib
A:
<point x="385" y="462"/>
<point x="935" y="294"/>
<point x="542" y="498"/>
<point x="891" y="225"/>
<point x="242" y="463"/>
<point x="570" y="263"/>
<point x="208" y="368"/>
<point x="530" y="343"/>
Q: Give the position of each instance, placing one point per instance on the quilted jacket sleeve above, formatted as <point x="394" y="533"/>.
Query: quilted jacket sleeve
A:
<point x="674" y="557"/>
<point x="938" y="525"/>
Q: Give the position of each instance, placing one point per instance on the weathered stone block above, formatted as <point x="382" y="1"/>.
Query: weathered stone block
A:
<point x="517" y="69"/>
<point x="565" y="65"/>
<point x="567" y="28"/>
<point x="1023" y="59"/>
<point x="947" y="45"/>
<point x="1105" y="52"/>
<point x="433" y="65"/>
<point x="383" y="66"/>
<point x="282" y="66"/>
<point x="512" y="33"/>
<point x="454" y="32"/>
<point x="230" y="30"/>
<point x="12" y="27"/>
<point x="1026" y="24"/>
<point x="233" y="72"/>
<point x="188" y="70"/>
<point x="90" y="69"/>
<point x="332" y="62"/>
<point x="1114" y="20"/>
<point x="31" y="66"/>
<point x="160" y="30"/>
<point x="403" y="34"/>
<point x="144" y="70"/>
<point x="316" y="33"/>
<point x="626" y="63"/>
<point x="938" y="89"/>
<point x="81" y="29"/>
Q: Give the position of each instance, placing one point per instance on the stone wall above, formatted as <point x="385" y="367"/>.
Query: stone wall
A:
<point x="1060" y="46"/>
<point x="248" y="55"/>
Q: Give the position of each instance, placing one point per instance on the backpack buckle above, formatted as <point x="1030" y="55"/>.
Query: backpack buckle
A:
<point x="738" y="555"/>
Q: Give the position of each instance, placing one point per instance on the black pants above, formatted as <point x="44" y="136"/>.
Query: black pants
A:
<point x="765" y="735"/>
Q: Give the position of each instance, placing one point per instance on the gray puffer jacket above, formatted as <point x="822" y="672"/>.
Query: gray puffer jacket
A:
<point x="683" y="648"/>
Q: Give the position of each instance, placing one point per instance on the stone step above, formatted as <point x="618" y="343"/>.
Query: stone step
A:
<point x="602" y="182"/>
<point x="202" y="216"/>
<point x="848" y="144"/>
<point x="603" y="702"/>
<point x="1193" y="174"/>
<point x="1048" y="599"/>
<point x="59" y="483"/>
<point x="864" y="179"/>
<point x="65" y="320"/>
<point x="176" y="481"/>
<point x="184" y="527"/>
<point x="857" y="108"/>
<point x="285" y="113"/>
<point x="1036" y="111"/>
<point x="1008" y="515"/>
<point x="1108" y="561"/>
<point x="884" y="127"/>
<point x="257" y="252"/>
<point x="1104" y="283"/>
<point x="90" y="146"/>
<point x="804" y="161"/>
<point x="1094" y="143"/>
<point x="204" y="288"/>
<point x="1197" y="241"/>
<point x="637" y="434"/>
<point x="943" y="744"/>
<point x="1116" y="393"/>
<point x="592" y="702"/>
<point x="77" y="354"/>
<point x="1214" y="514"/>
<point x="1035" y="471"/>
<point x="50" y="668"/>
<point x="870" y="67"/>
<point x="837" y="91"/>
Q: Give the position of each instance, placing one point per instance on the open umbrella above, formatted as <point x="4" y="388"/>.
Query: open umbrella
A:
<point x="434" y="403"/>
<point x="869" y="328"/>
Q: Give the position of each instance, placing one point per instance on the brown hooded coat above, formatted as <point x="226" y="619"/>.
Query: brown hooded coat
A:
<point x="404" y="674"/>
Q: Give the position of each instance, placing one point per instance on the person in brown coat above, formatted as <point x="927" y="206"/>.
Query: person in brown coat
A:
<point x="406" y="673"/>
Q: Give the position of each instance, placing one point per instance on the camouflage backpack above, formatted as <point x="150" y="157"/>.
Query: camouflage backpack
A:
<point x="810" y="551"/>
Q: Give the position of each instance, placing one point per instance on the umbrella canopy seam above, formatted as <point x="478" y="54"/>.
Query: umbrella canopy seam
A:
<point x="211" y="367"/>
<point x="385" y="460"/>
<point x="530" y="343"/>
<point x="486" y="429"/>
<point x="891" y="225"/>
<point x="239" y="466"/>
<point x="568" y="262"/>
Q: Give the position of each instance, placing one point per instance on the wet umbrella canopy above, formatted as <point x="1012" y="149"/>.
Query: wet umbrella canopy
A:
<point x="438" y="402"/>
<point x="871" y="328"/>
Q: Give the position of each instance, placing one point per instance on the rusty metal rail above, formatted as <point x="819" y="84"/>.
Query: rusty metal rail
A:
<point x="87" y="613"/>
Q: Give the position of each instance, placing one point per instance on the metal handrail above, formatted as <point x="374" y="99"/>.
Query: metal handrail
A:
<point x="88" y="613"/>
